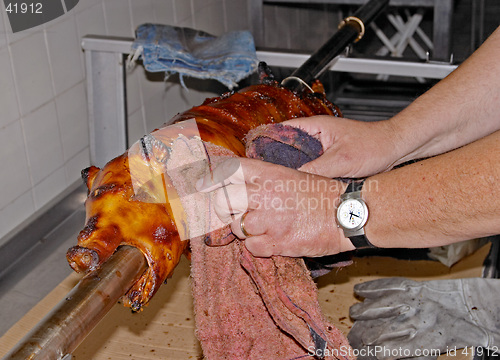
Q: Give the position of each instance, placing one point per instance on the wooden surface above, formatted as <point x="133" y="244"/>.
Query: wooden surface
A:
<point x="165" y="329"/>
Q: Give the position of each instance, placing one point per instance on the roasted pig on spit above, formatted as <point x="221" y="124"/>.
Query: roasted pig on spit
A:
<point x="114" y="218"/>
<point x="292" y="319"/>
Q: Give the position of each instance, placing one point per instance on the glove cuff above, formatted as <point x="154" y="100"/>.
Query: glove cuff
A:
<point x="481" y="296"/>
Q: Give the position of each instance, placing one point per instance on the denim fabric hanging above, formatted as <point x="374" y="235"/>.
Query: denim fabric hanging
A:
<point x="227" y="58"/>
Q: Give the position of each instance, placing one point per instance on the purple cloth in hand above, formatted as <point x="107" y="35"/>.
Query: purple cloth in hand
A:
<point x="292" y="147"/>
<point x="283" y="145"/>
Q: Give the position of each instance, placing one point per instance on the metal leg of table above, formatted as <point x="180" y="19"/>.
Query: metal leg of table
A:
<point x="106" y="105"/>
<point x="443" y="11"/>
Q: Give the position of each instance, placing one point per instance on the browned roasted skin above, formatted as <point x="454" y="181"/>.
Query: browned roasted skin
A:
<point x="114" y="217"/>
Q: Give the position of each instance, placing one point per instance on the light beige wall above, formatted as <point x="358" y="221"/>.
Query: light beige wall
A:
<point x="43" y="115"/>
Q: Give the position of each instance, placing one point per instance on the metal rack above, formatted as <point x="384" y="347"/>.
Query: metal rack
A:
<point x="442" y="20"/>
<point x="106" y="85"/>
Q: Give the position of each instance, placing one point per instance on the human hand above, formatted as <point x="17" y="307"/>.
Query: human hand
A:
<point x="290" y="213"/>
<point x="352" y="148"/>
<point x="404" y="318"/>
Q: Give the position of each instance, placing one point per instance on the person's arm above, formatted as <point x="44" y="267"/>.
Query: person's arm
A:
<point x="437" y="201"/>
<point x="461" y="108"/>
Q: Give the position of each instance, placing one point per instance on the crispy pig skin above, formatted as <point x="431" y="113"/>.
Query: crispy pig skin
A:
<point x="114" y="217"/>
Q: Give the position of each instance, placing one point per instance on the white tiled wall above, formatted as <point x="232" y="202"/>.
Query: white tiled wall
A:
<point x="44" y="139"/>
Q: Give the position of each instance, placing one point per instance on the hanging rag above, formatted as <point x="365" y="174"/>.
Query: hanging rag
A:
<point x="292" y="147"/>
<point x="248" y="307"/>
<point x="228" y="58"/>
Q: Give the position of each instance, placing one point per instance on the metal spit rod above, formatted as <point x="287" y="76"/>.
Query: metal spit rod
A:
<point x="65" y="327"/>
<point x="353" y="29"/>
<point x="72" y="319"/>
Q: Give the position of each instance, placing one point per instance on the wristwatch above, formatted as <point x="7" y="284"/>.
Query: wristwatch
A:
<point x="352" y="215"/>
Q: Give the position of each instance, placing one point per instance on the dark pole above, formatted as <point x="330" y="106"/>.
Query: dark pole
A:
<point x="353" y="27"/>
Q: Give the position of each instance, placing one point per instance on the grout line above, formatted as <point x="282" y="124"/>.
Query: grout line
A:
<point x="50" y="67"/>
<point x="64" y="6"/>
<point x="106" y="27"/>
<point x="131" y="14"/>
<point x="70" y="180"/>
<point x="14" y="200"/>
<point x="81" y="53"/>
<point x="5" y="231"/>
<point x="28" y="163"/>
<point x="225" y="15"/>
<point x="54" y="95"/>
<point x="86" y="148"/>
<point x="3" y="28"/>
<point x="193" y="17"/>
<point x="155" y="18"/>
<point x="175" y="11"/>
<point x="21" y="123"/>
<point x="143" y="105"/>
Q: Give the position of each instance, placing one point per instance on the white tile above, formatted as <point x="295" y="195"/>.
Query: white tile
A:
<point x="136" y="126"/>
<point x="151" y="84"/>
<point x="3" y="26"/>
<point x="134" y="76"/>
<point x="118" y="18"/>
<point x="43" y="142"/>
<point x="85" y="4"/>
<point x="14" y="178"/>
<point x="32" y="72"/>
<point x="16" y="212"/>
<point x="13" y="37"/>
<point x="91" y="21"/>
<point x="74" y="166"/>
<point x="209" y="16"/>
<point x="8" y="98"/>
<point x="236" y="15"/>
<point x="64" y="54"/>
<point x="73" y="120"/>
<point x="50" y="187"/>
<point x="164" y="11"/>
<point x="183" y="13"/>
<point x="77" y="7"/>
<point x="142" y="12"/>
<point x="176" y="99"/>
<point x="276" y="22"/>
<point x="154" y="112"/>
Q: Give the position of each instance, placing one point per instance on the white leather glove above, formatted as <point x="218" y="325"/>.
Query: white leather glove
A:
<point x="402" y="318"/>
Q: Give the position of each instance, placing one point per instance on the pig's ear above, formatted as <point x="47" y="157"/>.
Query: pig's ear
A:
<point x="89" y="174"/>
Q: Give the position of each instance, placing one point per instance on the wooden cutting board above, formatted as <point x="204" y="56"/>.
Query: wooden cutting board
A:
<point x="165" y="329"/>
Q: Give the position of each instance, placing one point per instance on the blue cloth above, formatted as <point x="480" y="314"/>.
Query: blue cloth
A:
<point x="227" y="58"/>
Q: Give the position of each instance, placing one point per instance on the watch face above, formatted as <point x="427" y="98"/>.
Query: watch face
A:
<point x="352" y="214"/>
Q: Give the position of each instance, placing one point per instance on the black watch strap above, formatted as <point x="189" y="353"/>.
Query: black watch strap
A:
<point x="354" y="186"/>
<point x="359" y="241"/>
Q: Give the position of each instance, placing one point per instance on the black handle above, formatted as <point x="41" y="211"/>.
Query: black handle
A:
<point x="319" y="61"/>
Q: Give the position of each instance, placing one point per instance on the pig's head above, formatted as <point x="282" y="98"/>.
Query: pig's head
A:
<point x="114" y="217"/>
